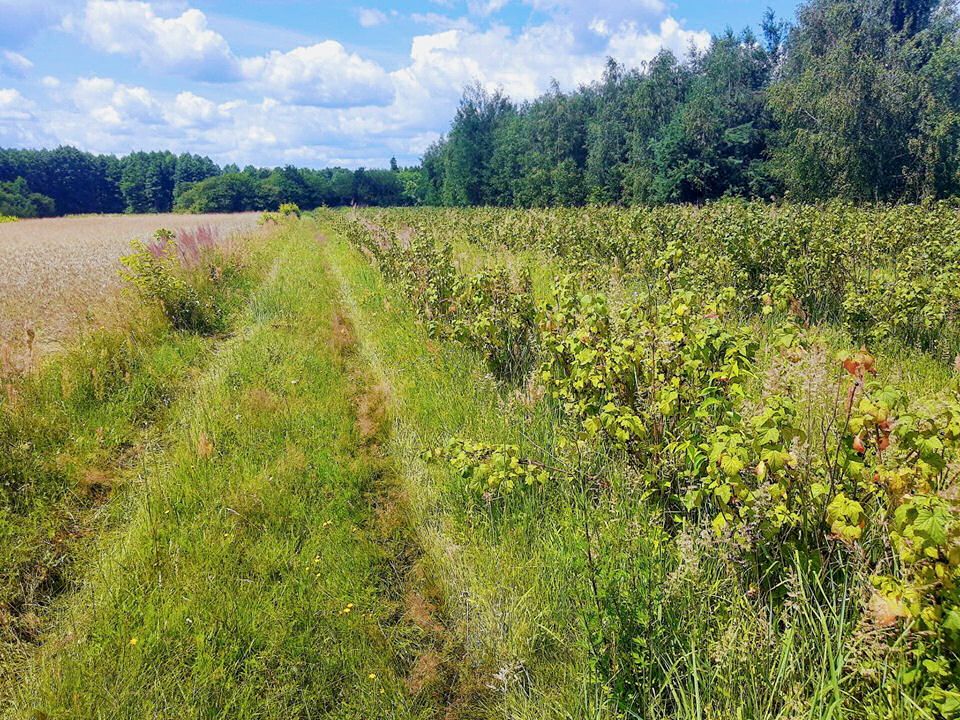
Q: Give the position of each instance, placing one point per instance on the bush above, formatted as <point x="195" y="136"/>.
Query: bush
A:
<point x="191" y="277"/>
<point x="491" y="311"/>
<point x="496" y="315"/>
<point x="287" y="211"/>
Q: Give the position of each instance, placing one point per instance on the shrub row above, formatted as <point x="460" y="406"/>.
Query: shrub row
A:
<point x="882" y="271"/>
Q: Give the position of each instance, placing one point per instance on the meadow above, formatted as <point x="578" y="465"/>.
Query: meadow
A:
<point x="684" y="462"/>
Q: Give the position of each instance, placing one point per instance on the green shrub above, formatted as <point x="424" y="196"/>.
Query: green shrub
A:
<point x="195" y="290"/>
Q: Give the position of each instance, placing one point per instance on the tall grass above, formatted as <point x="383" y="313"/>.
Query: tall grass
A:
<point x="248" y="580"/>
<point x="73" y="429"/>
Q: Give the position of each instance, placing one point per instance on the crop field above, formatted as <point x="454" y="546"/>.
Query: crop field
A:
<point x="58" y="271"/>
<point x="687" y="463"/>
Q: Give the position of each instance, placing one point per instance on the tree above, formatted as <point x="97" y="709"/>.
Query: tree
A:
<point x="16" y="200"/>
<point x="865" y="102"/>
<point x="716" y="142"/>
<point x="470" y="146"/>
<point x="147" y="181"/>
<point x="608" y="132"/>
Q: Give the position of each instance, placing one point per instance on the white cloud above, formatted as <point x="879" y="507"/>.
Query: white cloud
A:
<point x="633" y="47"/>
<point x="321" y="75"/>
<point x="524" y="64"/>
<point x="321" y="103"/>
<point x="189" y="110"/>
<point x="116" y="105"/>
<point x="14" y="64"/>
<point x="183" y="45"/>
<point x="14" y="106"/>
<point x="370" y="17"/>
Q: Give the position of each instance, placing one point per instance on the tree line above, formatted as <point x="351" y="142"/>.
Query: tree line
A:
<point x="67" y="181"/>
<point x="857" y="99"/>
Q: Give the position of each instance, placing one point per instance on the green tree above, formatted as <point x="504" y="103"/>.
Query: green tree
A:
<point x="470" y="147"/>
<point x="867" y="100"/>
<point x="16" y="200"/>
<point x="716" y="142"/>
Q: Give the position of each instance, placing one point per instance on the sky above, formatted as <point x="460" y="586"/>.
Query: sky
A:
<point x="310" y="83"/>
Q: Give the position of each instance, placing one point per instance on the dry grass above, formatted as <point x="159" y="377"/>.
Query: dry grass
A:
<point x="56" y="273"/>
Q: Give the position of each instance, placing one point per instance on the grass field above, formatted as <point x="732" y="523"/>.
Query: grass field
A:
<point x="397" y="467"/>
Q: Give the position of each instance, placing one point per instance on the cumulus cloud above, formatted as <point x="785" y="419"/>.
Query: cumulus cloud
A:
<point x="190" y="110"/>
<point x="632" y="46"/>
<point x="321" y="75"/>
<point x="116" y="105"/>
<point x="20" y="122"/>
<point x="184" y="44"/>
<point x="321" y="103"/>
<point x="523" y="64"/>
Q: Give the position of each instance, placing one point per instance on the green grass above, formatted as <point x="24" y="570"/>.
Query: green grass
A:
<point x="690" y="643"/>
<point x="282" y="549"/>
<point x="225" y="593"/>
<point x="73" y="432"/>
<point x="68" y="435"/>
<point x="513" y="581"/>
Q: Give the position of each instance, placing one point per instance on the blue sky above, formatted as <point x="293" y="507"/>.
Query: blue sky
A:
<point x="318" y="83"/>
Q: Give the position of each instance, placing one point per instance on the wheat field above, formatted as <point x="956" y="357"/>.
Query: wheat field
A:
<point x="56" y="273"/>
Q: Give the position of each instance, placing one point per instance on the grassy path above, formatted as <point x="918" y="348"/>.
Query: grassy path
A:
<point x="259" y="574"/>
<point x="288" y="554"/>
<point x="512" y="582"/>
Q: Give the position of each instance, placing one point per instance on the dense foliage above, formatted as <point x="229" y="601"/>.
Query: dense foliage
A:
<point x="883" y="272"/>
<point x="65" y="181"/>
<point x="857" y="100"/>
<point x="17" y="201"/>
